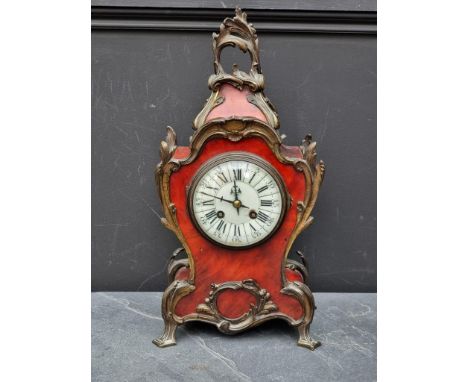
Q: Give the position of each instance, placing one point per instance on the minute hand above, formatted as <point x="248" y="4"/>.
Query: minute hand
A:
<point x="235" y="193"/>
<point x="221" y="198"/>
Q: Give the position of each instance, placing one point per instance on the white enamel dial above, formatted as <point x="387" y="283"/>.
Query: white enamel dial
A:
<point x="237" y="200"/>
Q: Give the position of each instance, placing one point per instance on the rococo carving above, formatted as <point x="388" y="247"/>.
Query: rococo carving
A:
<point x="313" y="175"/>
<point x="263" y="305"/>
<point x="237" y="32"/>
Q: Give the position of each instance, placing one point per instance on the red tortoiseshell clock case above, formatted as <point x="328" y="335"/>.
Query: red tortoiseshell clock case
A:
<point x="236" y="289"/>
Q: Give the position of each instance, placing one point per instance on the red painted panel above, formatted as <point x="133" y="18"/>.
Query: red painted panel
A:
<point x="182" y="274"/>
<point x="181" y="152"/>
<point x="234" y="303"/>
<point x="235" y="105"/>
<point x="293" y="275"/>
<point x="214" y="264"/>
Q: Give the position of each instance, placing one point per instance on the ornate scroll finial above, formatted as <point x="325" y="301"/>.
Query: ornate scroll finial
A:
<point x="237" y="32"/>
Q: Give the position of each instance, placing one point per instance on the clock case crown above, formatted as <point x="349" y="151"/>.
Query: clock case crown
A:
<point x="231" y="288"/>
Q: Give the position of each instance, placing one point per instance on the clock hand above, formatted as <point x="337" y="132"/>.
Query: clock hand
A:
<point x="235" y="194"/>
<point x="217" y="197"/>
<point x="223" y="200"/>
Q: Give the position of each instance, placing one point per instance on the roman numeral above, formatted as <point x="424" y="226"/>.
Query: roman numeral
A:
<point x="236" y="230"/>
<point x="251" y="226"/>
<point x="210" y="214"/>
<point x="210" y="202"/>
<point x="237" y="173"/>
<point x="212" y="188"/>
<point x="222" y="177"/>
<point x="253" y="176"/>
<point x="262" y="216"/>
<point x="261" y="189"/>
<point x="220" y="225"/>
<point x="266" y="203"/>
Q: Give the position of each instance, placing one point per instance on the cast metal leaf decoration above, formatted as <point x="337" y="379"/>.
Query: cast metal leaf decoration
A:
<point x="263" y="304"/>
<point x="166" y="224"/>
<point x="269" y="307"/>
<point x="237" y="32"/>
<point x="300" y="206"/>
<point x="204" y="308"/>
<point x="309" y="150"/>
<point x="168" y="146"/>
<point x="320" y="170"/>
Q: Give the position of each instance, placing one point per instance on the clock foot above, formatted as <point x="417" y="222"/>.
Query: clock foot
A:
<point x="304" y="338"/>
<point x="171" y="296"/>
<point x="168" y="337"/>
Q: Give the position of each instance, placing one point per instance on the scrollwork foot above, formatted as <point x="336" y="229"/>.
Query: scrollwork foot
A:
<point x="168" y="337"/>
<point x="304" y="338"/>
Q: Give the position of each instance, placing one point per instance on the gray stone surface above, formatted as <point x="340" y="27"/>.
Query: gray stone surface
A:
<point x="124" y="323"/>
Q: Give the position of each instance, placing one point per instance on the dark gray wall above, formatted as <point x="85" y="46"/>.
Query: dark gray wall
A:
<point x="150" y="70"/>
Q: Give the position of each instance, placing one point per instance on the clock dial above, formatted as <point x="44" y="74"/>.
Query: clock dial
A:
<point x="237" y="200"/>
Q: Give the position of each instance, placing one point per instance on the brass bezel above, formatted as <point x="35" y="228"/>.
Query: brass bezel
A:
<point x="238" y="156"/>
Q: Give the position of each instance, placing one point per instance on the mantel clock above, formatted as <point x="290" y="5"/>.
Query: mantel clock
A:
<point x="236" y="198"/>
